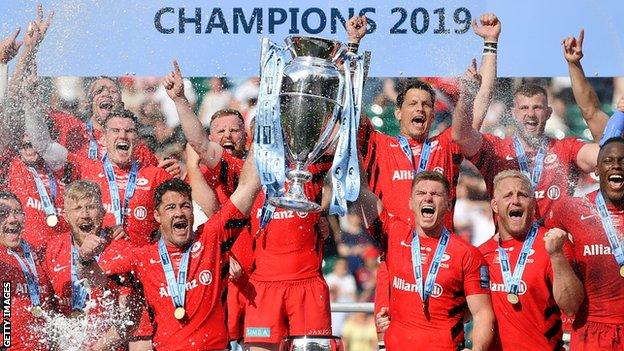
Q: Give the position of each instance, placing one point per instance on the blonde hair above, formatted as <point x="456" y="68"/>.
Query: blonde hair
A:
<point x="511" y="173"/>
<point x="82" y="189"/>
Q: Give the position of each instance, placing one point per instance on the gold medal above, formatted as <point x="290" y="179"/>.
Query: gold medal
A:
<point x="36" y="311"/>
<point x="622" y="271"/>
<point x="76" y="314"/>
<point x="52" y="220"/>
<point x="179" y="313"/>
<point x="512" y="298"/>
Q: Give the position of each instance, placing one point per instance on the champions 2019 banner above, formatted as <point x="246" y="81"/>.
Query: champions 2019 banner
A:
<point x="407" y="38"/>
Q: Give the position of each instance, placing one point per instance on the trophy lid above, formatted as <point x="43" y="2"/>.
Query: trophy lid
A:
<point x="314" y="47"/>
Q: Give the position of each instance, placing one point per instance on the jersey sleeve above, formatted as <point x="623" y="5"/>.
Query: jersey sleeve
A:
<point x="119" y="258"/>
<point x="145" y="156"/>
<point x="486" y="156"/>
<point x="573" y="146"/>
<point x="226" y="224"/>
<point x="476" y="273"/>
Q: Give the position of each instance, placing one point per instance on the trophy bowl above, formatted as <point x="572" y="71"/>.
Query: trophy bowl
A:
<point x="311" y="98"/>
<point x="312" y="343"/>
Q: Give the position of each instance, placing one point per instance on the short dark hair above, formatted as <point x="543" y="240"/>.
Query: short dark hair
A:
<point x="7" y="195"/>
<point x="530" y="90"/>
<point x="122" y="113"/>
<point x="415" y="84"/>
<point x="433" y="176"/>
<point x="92" y="84"/>
<point x="176" y="185"/>
<point x="617" y="139"/>
<point x="227" y="112"/>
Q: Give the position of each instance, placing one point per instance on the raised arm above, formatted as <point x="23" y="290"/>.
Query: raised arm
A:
<point x="8" y="49"/>
<point x="584" y="94"/>
<point x="567" y="288"/>
<point x="210" y="152"/>
<point x="248" y="186"/>
<point x="202" y="193"/>
<point x="463" y="132"/>
<point x="489" y="30"/>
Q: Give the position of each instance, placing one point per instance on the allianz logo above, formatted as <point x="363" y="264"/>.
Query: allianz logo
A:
<point x="500" y="287"/>
<point x="402" y="284"/>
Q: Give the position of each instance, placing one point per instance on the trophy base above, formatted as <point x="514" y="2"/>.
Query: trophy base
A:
<point x="300" y="205"/>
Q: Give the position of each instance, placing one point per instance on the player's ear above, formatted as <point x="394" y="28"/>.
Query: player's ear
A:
<point x="157" y="215"/>
<point x="494" y="205"/>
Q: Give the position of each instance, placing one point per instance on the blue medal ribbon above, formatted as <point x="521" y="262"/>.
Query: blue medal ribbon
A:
<point x="30" y="273"/>
<point x="79" y="292"/>
<point x="93" y="145"/>
<point x="177" y="288"/>
<point x="524" y="164"/>
<point x="268" y="140"/>
<point x="119" y="209"/>
<point x="512" y="279"/>
<point x="609" y="228"/>
<point x="425" y="152"/>
<point x="426" y="290"/>
<point x="345" y="167"/>
<point x="48" y="201"/>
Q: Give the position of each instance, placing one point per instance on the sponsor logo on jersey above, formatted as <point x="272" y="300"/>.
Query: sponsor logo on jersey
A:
<point x="140" y="213"/>
<point x="550" y="158"/>
<point x="284" y="214"/>
<point x="37" y="205"/>
<point x="553" y="192"/>
<point x="596" y="250"/>
<point x="164" y="290"/>
<point x="484" y="277"/>
<point x="402" y="174"/>
<point x="401" y="284"/>
<point x="500" y="287"/>
<point x="439" y="170"/>
<point x="205" y="277"/>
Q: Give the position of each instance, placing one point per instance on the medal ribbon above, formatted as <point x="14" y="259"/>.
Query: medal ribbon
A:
<point x="609" y="228"/>
<point x="425" y="291"/>
<point x="345" y="167"/>
<point x="119" y="210"/>
<point x="48" y="201"/>
<point x="423" y="162"/>
<point x="512" y="279"/>
<point x="79" y="292"/>
<point x="177" y="288"/>
<point x="524" y="164"/>
<point x="93" y="146"/>
<point x="268" y="139"/>
<point x="30" y="273"/>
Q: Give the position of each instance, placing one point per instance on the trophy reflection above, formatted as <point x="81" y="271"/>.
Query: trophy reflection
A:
<point x="301" y="112"/>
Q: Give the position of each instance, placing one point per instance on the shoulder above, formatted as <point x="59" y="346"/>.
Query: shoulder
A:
<point x="488" y="247"/>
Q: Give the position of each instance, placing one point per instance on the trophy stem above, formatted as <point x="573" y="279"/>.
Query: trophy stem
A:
<point x="295" y="198"/>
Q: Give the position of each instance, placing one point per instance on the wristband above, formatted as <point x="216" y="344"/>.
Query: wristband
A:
<point x="353" y="47"/>
<point x="490" y="44"/>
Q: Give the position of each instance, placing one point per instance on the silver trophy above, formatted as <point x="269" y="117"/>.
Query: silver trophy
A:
<point x="312" y="343"/>
<point x="302" y="107"/>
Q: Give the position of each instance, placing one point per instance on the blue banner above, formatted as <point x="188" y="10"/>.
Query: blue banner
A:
<point x="407" y="38"/>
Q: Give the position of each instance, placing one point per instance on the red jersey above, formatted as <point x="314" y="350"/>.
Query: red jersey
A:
<point x="596" y="265"/>
<point x="223" y="178"/>
<point x="26" y="330"/>
<point x="6" y="156"/>
<point x="290" y="247"/>
<point x="57" y="264"/>
<point x="205" y="326"/>
<point x="535" y="322"/>
<point x="462" y="272"/>
<point x="390" y="173"/>
<point x="139" y="217"/>
<point x="498" y="154"/>
<point x="22" y="183"/>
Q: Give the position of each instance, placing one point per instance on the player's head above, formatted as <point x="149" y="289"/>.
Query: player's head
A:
<point x="610" y="170"/>
<point x="174" y="211"/>
<point x="27" y="152"/>
<point x="104" y="96"/>
<point x="83" y="209"/>
<point x="414" y="109"/>
<point x="531" y="110"/>
<point x="513" y="202"/>
<point x="227" y="127"/>
<point x="430" y="201"/>
<point x="11" y="220"/>
<point x="121" y="136"/>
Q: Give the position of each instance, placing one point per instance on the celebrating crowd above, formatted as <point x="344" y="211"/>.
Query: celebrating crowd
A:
<point x="151" y="237"/>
